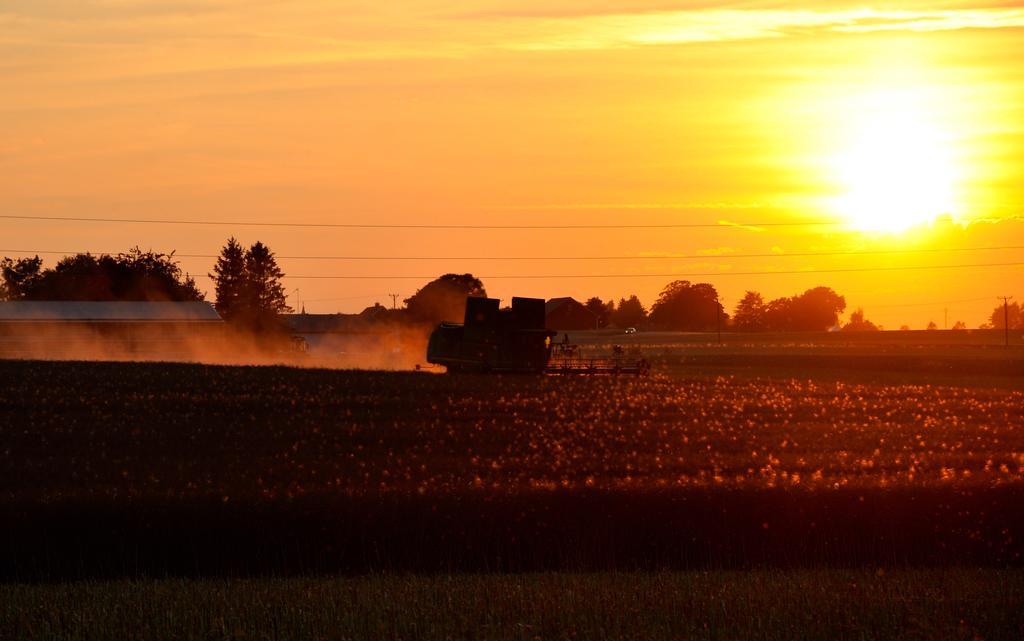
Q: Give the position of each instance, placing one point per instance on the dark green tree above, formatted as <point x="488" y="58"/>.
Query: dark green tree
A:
<point x="229" y="276"/>
<point x="630" y="312"/>
<point x="444" y="298"/>
<point x="749" y="313"/>
<point x="132" y="276"/>
<point x="687" y="306"/>
<point x="815" y="310"/>
<point x="1013" y="312"/>
<point x="19" y="277"/>
<point x="139" y="275"/>
<point x="858" y="323"/>
<point x="601" y="310"/>
<point x="263" y="299"/>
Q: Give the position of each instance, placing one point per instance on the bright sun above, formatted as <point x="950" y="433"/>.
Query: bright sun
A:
<point x="896" y="168"/>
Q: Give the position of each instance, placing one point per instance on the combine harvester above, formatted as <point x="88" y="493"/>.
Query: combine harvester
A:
<point x="515" y="340"/>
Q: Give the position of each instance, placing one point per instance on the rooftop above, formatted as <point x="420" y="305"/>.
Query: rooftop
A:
<point x="556" y="303"/>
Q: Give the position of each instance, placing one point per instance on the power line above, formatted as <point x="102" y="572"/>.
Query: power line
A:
<point x="866" y="252"/>
<point x="324" y="300"/>
<point x="250" y="223"/>
<point x="932" y="304"/>
<point x="675" y="274"/>
<point x="656" y="275"/>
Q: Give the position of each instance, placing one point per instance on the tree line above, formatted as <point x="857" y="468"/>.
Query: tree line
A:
<point x="248" y="285"/>
<point x="249" y="293"/>
<point x="686" y="306"/>
<point x="1012" y="315"/>
<point x="132" y="276"/>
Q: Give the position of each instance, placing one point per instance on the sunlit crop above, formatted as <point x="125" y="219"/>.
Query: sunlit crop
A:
<point x="277" y="433"/>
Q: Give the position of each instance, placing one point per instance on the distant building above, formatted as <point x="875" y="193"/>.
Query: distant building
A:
<point x="338" y="335"/>
<point x="562" y="314"/>
<point x="324" y="333"/>
<point x="376" y="337"/>
<point x="118" y="329"/>
<point x="304" y="324"/>
<point x="374" y="312"/>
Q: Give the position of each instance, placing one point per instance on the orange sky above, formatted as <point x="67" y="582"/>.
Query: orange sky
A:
<point x="530" y="112"/>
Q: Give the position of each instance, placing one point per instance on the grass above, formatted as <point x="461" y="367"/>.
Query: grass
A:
<point x="932" y="605"/>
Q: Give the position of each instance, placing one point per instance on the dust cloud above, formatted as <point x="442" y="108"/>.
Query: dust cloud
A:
<point x="388" y="347"/>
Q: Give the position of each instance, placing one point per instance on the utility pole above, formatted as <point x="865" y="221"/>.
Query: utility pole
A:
<point x="296" y="292"/>
<point x="945" y="318"/>
<point x="1006" y="319"/>
<point x="718" y="319"/>
<point x="394" y="300"/>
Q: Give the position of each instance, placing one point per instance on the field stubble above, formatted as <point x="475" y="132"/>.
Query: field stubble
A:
<point x="833" y="605"/>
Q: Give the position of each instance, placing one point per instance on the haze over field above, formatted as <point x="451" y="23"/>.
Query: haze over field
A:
<point x="900" y="126"/>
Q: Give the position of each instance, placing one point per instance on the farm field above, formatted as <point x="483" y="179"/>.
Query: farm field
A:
<point x="830" y="605"/>
<point x="973" y="357"/>
<point x="698" y="502"/>
<point x="113" y="469"/>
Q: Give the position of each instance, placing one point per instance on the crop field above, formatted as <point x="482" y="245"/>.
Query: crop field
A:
<point x="681" y="495"/>
<point x="114" y="469"/>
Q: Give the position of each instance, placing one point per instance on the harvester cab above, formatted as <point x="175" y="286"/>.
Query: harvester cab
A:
<point x="515" y="339"/>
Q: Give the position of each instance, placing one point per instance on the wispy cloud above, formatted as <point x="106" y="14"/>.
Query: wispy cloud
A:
<point x="716" y="251"/>
<point x="625" y="206"/>
<point x="717" y="25"/>
<point x="729" y="223"/>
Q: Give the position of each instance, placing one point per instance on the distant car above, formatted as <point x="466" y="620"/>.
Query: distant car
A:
<point x="631" y="330"/>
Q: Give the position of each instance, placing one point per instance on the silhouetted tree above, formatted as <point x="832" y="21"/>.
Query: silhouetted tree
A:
<point x="629" y="313"/>
<point x="749" y="313"/>
<point x="959" y="326"/>
<point x="816" y="309"/>
<point x="601" y="310"/>
<point x="444" y="298"/>
<point x="858" y="323"/>
<point x="778" y="315"/>
<point x="996" y="319"/>
<point x="263" y="298"/>
<point x="140" y="275"/>
<point x="687" y="306"/>
<point x="932" y="326"/>
<point x="132" y="276"/>
<point x="19" y="277"/>
<point x="229" y="279"/>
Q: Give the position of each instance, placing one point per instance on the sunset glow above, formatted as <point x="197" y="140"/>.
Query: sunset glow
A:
<point x="898" y="170"/>
<point x="867" y="121"/>
<point x="506" y="319"/>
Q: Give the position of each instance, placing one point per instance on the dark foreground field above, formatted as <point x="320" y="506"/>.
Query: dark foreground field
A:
<point x="830" y="605"/>
<point x="113" y="470"/>
<point x="157" y="501"/>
